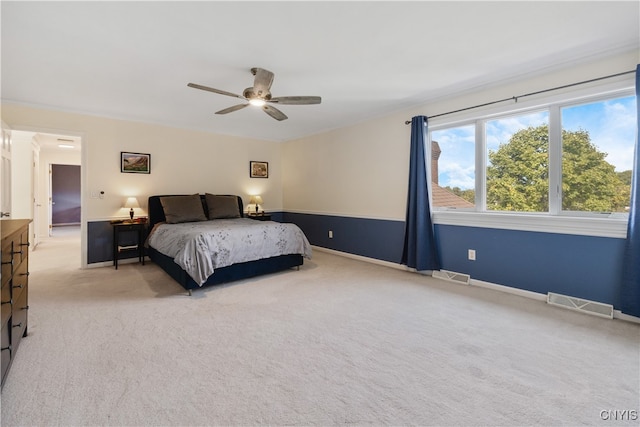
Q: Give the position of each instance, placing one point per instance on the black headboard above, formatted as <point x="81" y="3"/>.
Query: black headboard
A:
<point x="156" y="213"/>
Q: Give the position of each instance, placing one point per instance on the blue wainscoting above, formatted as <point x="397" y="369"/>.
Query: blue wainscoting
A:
<point x="100" y="242"/>
<point x="580" y="266"/>
<point x="373" y="238"/>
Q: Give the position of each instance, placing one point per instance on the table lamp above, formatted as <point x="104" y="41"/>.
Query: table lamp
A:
<point x="131" y="203"/>
<point x="256" y="200"/>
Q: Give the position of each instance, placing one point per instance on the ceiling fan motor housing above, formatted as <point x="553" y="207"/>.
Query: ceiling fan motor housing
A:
<point x="250" y="93"/>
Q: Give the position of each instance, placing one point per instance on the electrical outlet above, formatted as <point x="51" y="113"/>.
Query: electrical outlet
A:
<point x="472" y="254"/>
<point x="331" y="234"/>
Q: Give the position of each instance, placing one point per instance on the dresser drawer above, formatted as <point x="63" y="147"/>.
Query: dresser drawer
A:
<point x="14" y="252"/>
<point x="6" y="350"/>
<point x="20" y="247"/>
<point x="7" y="265"/>
<point x="19" y="320"/>
<point x="20" y="280"/>
<point x="6" y="303"/>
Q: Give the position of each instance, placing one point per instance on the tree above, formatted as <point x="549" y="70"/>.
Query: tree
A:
<point x="518" y="174"/>
<point x="468" y="195"/>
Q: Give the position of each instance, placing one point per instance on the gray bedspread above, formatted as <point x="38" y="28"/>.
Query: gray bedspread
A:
<point x="201" y="247"/>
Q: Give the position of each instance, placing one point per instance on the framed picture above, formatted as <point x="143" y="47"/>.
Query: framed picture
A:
<point x="259" y="169"/>
<point x="135" y="162"/>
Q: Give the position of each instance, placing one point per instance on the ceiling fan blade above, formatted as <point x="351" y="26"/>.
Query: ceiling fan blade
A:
<point x="210" y="89"/>
<point x="232" y="109"/>
<point x="262" y="82"/>
<point x="274" y="112"/>
<point x="297" y="100"/>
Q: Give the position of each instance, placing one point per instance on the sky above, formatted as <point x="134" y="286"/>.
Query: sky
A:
<point x="611" y="125"/>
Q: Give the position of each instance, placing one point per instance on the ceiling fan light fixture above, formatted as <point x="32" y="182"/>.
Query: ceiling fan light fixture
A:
<point x="259" y="95"/>
<point x="257" y="102"/>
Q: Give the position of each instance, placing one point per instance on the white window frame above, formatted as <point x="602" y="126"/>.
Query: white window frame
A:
<point x="555" y="220"/>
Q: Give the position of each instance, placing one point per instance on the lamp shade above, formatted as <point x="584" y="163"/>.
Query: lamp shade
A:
<point x="132" y="202"/>
<point x="255" y="200"/>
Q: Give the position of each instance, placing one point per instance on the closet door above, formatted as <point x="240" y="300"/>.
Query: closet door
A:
<point x="65" y="194"/>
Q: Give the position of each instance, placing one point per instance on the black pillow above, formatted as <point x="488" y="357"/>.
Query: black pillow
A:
<point x="222" y="206"/>
<point x="179" y="209"/>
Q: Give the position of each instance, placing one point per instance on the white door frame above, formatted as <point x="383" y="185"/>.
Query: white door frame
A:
<point x="50" y="200"/>
<point x="35" y="195"/>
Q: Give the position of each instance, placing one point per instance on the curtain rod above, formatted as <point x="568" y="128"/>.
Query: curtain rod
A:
<point x="515" y="98"/>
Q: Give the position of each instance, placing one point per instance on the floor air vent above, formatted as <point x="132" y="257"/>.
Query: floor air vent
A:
<point x="452" y="276"/>
<point x="582" y="305"/>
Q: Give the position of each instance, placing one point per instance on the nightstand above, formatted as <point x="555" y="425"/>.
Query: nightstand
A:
<point x="260" y="217"/>
<point x="128" y="237"/>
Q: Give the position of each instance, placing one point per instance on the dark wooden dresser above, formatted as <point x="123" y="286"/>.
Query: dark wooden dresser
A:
<point x="14" y="234"/>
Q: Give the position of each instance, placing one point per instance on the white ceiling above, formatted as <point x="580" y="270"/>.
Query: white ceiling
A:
<point x="50" y="142"/>
<point x="133" y="60"/>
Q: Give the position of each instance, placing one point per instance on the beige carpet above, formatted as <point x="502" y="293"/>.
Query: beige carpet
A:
<point x="338" y="342"/>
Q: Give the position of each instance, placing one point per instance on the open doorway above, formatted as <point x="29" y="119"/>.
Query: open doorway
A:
<point x="59" y="185"/>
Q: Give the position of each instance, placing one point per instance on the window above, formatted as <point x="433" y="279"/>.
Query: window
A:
<point x="597" y="155"/>
<point x="518" y="163"/>
<point x="572" y="158"/>
<point x="453" y="171"/>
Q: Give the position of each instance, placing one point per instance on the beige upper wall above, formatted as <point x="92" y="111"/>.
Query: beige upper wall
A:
<point x="182" y="161"/>
<point x="359" y="171"/>
<point x="363" y="170"/>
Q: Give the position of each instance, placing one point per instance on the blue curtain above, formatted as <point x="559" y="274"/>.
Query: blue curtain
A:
<point x="420" y="251"/>
<point x="630" y="295"/>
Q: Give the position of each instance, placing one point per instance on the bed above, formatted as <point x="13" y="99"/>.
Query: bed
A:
<point x="204" y="239"/>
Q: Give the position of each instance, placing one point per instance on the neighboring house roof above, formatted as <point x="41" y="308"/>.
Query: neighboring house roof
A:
<point x="441" y="197"/>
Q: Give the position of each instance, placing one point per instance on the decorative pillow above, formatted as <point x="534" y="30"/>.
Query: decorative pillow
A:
<point x="222" y="206"/>
<point x="183" y="209"/>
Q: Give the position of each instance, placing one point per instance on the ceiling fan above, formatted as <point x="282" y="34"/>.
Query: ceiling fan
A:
<point x="260" y="95"/>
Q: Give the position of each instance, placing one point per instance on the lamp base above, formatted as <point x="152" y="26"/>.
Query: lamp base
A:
<point x="131" y="214"/>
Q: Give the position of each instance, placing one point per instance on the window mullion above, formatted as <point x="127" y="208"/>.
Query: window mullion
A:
<point x="481" y="167"/>
<point x="555" y="161"/>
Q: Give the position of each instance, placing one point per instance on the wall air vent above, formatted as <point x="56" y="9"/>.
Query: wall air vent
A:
<point x="582" y="305"/>
<point x="452" y="276"/>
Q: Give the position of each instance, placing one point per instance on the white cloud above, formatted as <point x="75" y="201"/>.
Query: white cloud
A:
<point x="456" y="175"/>
<point x="500" y="131"/>
<point x="612" y="129"/>
<point x="456" y="166"/>
<point x="618" y="134"/>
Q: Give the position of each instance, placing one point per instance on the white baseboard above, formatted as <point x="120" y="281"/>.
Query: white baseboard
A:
<point x="363" y="258"/>
<point x="617" y="314"/>
<point x="514" y="291"/>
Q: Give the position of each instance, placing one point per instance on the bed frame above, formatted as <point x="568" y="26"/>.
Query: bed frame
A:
<point x="221" y="275"/>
